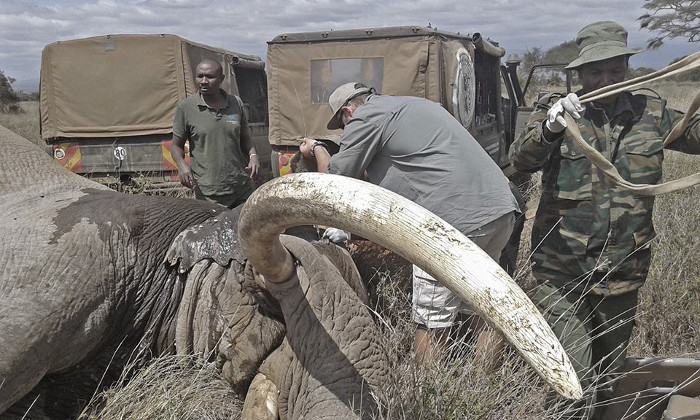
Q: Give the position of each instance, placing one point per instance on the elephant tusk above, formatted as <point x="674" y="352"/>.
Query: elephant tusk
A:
<point x="414" y="233"/>
<point x="261" y="399"/>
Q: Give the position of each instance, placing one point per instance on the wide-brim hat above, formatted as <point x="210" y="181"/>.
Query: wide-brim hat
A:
<point x="340" y="97"/>
<point x="601" y="41"/>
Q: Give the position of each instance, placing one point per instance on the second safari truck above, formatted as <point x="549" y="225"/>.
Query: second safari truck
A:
<point x="461" y="72"/>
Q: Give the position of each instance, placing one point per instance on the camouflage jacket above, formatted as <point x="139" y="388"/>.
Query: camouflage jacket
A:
<point x="589" y="233"/>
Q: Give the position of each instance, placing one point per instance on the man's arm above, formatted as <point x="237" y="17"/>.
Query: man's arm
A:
<point x="310" y="148"/>
<point x="177" y="150"/>
<point x="248" y="147"/>
<point x="689" y="141"/>
<point x="530" y="151"/>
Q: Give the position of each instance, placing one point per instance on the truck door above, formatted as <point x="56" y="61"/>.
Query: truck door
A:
<point x="251" y="84"/>
<point x="489" y="125"/>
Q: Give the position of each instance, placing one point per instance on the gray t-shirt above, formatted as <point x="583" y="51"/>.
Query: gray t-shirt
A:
<point x="415" y="148"/>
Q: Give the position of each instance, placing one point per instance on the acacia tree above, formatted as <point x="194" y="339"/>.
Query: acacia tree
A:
<point x="671" y="19"/>
<point x="531" y="57"/>
<point x="9" y="101"/>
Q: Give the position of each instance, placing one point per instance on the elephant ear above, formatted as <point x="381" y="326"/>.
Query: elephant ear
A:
<point x="215" y="239"/>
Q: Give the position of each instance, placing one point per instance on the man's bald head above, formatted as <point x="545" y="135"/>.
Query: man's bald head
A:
<point x="209" y="76"/>
<point x="213" y="66"/>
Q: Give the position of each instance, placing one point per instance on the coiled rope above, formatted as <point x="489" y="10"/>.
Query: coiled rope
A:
<point x="599" y="161"/>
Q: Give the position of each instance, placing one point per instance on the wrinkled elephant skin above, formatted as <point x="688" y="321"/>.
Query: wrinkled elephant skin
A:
<point x="88" y="276"/>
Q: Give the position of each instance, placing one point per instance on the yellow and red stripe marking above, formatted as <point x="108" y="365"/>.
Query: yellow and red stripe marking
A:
<point x="68" y="156"/>
<point x="168" y="161"/>
<point x="284" y="162"/>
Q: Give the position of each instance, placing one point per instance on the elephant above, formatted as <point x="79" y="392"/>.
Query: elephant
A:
<point x="89" y="276"/>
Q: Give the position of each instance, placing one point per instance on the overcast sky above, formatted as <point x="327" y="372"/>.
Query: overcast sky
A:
<point x="26" y="26"/>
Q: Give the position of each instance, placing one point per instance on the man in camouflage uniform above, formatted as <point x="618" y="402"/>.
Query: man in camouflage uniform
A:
<point x="591" y="238"/>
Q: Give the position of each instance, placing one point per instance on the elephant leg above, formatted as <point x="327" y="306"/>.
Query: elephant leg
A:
<point x="23" y="357"/>
<point x="261" y="400"/>
<point x="36" y="341"/>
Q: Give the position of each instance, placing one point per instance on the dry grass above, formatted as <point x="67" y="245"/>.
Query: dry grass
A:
<point x="678" y="94"/>
<point x="452" y="387"/>
<point x="26" y="123"/>
<point x="669" y="316"/>
<point x="170" y="387"/>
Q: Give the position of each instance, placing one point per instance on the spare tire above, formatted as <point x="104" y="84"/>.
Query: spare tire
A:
<point x="464" y="89"/>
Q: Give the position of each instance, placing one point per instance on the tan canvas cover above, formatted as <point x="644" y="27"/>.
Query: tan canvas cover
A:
<point x="122" y="85"/>
<point x="415" y="62"/>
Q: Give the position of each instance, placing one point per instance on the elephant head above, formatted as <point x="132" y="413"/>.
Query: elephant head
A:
<point x="88" y="275"/>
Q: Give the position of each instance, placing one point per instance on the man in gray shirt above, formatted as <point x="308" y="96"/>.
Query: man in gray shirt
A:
<point x="415" y="148"/>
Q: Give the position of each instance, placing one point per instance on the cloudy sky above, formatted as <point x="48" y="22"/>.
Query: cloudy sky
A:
<point x="26" y="26"/>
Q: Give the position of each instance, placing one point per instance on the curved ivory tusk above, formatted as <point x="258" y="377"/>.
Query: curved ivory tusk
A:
<point x="261" y="400"/>
<point x="416" y="234"/>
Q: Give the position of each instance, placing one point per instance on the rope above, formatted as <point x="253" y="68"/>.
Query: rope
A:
<point x="599" y="161"/>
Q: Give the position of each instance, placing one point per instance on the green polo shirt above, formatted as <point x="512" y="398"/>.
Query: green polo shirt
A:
<point x="216" y="156"/>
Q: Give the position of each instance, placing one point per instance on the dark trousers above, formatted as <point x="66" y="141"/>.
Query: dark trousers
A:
<point x="595" y="332"/>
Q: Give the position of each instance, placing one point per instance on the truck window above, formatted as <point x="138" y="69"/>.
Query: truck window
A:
<point x="328" y="74"/>
<point x="549" y="78"/>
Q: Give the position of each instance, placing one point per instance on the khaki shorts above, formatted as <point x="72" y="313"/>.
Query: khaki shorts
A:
<point x="434" y="305"/>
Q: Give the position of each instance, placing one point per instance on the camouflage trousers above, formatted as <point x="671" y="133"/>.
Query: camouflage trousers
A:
<point x="595" y="331"/>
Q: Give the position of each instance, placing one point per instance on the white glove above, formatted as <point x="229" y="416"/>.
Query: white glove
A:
<point x="336" y="236"/>
<point x="555" y="116"/>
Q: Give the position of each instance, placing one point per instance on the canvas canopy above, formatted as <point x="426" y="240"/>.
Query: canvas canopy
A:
<point x="123" y="85"/>
<point x="304" y="68"/>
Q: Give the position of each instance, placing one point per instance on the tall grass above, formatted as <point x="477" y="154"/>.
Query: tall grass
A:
<point x="452" y="386"/>
<point x="25" y="123"/>
<point x="170" y="387"/>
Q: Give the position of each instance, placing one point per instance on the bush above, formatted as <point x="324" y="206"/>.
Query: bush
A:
<point x="9" y="101"/>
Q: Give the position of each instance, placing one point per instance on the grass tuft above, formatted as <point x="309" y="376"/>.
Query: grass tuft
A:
<point x="169" y="387"/>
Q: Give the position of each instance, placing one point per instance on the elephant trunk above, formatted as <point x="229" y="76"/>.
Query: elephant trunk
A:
<point x="414" y="233"/>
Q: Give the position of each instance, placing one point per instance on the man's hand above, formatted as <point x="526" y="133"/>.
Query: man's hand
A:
<point x="337" y="236"/>
<point x="555" y="116"/>
<point x="305" y="147"/>
<point x="186" y="176"/>
<point x="314" y="149"/>
<point x="253" y="167"/>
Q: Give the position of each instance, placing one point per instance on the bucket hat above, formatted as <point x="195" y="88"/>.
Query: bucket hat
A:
<point x="340" y="97"/>
<point x="600" y="41"/>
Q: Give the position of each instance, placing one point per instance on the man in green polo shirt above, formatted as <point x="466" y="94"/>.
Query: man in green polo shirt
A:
<point x="223" y="159"/>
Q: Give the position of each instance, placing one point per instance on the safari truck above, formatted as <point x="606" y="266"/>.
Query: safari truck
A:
<point x="460" y="71"/>
<point x="107" y="102"/>
<point x="464" y="73"/>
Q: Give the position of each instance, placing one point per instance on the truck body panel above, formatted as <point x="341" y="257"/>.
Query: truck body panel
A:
<point x="645" y="388"/>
